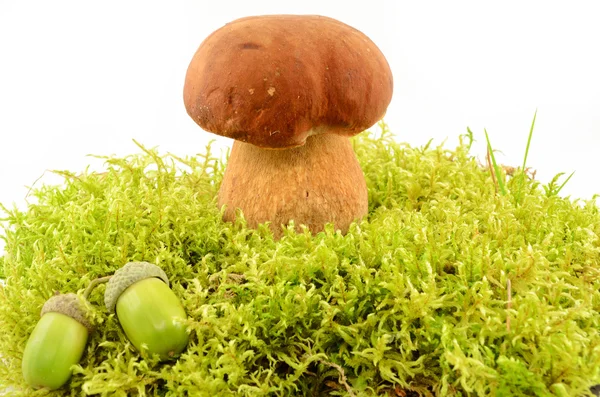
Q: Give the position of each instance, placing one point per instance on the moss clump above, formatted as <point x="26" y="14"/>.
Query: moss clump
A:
<point x="412" y="298"/>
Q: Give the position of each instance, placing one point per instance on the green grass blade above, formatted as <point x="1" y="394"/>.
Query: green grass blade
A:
<point x="564" y="183"/>
<point x="495" y="165"/>
<point x="529" y="140"/>
<point x="524" y="168"/>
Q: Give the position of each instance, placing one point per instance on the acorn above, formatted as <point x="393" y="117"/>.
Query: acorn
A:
<point x="56" y="343"/>
<point x="149" y="312"/>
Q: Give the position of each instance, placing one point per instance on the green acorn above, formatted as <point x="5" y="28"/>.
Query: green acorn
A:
<point x="56" y="343"/>
<point x="148" y="310"/>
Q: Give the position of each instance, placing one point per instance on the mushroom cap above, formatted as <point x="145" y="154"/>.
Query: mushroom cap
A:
<point x="274" y="80"/>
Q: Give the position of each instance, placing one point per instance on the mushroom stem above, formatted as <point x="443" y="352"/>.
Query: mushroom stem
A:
<point x="313" y="184"/>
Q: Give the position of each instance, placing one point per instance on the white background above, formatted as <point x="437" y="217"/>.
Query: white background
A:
<point x="87" y="77"/>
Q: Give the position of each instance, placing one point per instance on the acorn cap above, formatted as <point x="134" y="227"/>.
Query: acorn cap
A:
<point x="128" y="275"/>
<point x="69" y="305"/>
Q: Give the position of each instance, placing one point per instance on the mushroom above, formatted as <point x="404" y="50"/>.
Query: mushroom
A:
<point x="291" y="90"/>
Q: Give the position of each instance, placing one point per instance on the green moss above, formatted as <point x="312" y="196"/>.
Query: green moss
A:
<point x="414" y="297"/>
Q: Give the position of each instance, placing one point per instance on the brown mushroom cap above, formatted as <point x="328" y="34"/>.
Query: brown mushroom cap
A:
<point x="274" y="80"/>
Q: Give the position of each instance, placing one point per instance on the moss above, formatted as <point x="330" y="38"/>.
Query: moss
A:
<point x="413" y="298"/>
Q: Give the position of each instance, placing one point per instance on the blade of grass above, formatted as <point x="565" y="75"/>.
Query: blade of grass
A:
<point x="488" y="161"/>
<point x="564" y="183"/>
<point x="529" y="140"/>
<point x="523" y="173"/>
<point x="496" y="168"/>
